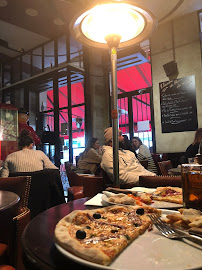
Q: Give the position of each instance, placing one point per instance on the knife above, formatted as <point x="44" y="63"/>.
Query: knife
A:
<point x="119" y="190"/>
<point x="196" y="231"/>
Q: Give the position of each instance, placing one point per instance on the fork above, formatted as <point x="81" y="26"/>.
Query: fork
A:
<point x="168" y="232"/>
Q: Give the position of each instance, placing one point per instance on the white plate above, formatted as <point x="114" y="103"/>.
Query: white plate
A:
<point x="151" y="251"/>
<point x="155" y="204"/>
<point x="143" y="189"/>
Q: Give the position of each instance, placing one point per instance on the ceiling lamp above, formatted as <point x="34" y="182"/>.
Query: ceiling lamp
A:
<point x="111" y="25"/>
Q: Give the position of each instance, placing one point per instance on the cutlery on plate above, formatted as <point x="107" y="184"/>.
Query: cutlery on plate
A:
<point x="196" y="231"/>
<point x="169" y="232"/>
<point x="119" y="190"/>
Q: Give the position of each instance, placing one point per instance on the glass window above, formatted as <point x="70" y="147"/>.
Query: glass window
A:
<point x="76" y="53"/>
<point x="123" y="115"/>
<point x="64" y="133"/>
<point x="78" y="123"/>
<point x="77" y="90"/>
<point x="49" y="60"/>
<point x="37" y="61"/>
<point x="50" y="103"/>
<point x="7" y="74"/>
<point x="26" y="66"/>
<point x="62" y="50"/>
<point x="49" y="121"/>
<point x="63" y="92"/>
<point x="16" y="76"/>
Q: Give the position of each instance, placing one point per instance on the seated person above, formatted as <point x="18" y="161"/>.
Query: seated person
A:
<point x="26" y="159"/>
<point x="143" y="153"/>
<point x="128" y="145"/>
<point x="129" y="167"/>
<point x="194" y="148"/>
<point x="91" y="157"/>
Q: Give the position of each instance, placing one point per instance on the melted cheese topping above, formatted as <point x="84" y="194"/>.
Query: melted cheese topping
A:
<point x="112" y="232"/>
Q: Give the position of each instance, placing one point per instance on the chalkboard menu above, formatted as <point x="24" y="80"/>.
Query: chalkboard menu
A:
<point x="178" y="105"/>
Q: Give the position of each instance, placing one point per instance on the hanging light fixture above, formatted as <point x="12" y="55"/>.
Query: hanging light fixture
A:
<point x="111" y="25"/>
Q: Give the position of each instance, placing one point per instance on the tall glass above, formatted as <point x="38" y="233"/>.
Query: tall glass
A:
<point x="192" y="186"/>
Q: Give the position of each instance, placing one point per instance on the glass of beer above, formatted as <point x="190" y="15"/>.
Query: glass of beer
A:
<point x="192" y="186"/>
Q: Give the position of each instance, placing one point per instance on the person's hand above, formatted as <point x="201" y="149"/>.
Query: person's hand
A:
<point x="100" y="150"/>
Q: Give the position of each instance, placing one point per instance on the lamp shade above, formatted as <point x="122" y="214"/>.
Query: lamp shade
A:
<point x="129" y="21"/>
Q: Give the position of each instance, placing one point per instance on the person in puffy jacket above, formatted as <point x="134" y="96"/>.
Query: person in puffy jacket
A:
<point x="129" y="167"/>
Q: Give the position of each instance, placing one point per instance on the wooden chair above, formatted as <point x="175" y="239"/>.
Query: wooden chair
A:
<point x="165" y="166"/>
<point x="158" y="158"/>
<point x="75" y="191"/>
<point x="10" y="248"/>
<point x="92" y="185"/>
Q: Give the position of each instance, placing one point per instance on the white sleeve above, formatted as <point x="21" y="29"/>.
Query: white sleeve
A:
<point x="144" y="150"/>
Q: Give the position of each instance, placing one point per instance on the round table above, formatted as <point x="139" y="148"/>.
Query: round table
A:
<point x="37" y="240"/>
<point x="8" y="199"/>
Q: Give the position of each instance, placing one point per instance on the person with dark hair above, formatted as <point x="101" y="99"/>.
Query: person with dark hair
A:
<point x="26" y="159"/>
<point x="129" y="167"/>
<point x="127" y="145"/>
<point x="143" y="153"/>
<point x="91" y="157"/>
<point x="193" y="148"/>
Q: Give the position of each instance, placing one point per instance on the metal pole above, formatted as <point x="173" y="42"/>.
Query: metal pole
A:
<point x="115" y="140"/>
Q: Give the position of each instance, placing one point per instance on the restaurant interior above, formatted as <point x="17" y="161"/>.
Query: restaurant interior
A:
<point x="71" y="88"/>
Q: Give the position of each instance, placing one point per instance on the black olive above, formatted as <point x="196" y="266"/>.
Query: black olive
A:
<point x="114" y="231"/>
<point x="88" y="227"/>
<point x="136" y="224"/>
<point x="140" y="211"/>
<point x="80" y="234"/>
<point x="96" y="215"/>
<point x="127" y="237"/>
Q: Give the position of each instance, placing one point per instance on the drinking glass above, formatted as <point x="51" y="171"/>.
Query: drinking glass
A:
<point x="192" y="186"/>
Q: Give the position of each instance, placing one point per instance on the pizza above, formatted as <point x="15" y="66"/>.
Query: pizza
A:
<point x="100" y="235"/>
<point x="185" y="218"/>
<point x="168" y="194"/>
<point x="122" y="199"/>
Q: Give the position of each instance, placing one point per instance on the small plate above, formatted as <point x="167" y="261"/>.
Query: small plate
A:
<point x="155" y="204"/>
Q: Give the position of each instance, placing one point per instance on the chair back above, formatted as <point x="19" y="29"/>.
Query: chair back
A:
<point x="158" y="158"/>
<point x="14" y="227"/>
<point x="46" y="190"/>
<point x="165" y="166"/>
<point x="19" y="223"/>
<point x="92" y="185"/>
<point x="160" y="181"/>
<point x="19" y="185"/>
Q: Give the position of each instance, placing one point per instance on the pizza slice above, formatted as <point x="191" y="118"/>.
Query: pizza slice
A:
<point x="185" y="218"/>
<point x="100" y="235"/>
<point x="168" y="194"/>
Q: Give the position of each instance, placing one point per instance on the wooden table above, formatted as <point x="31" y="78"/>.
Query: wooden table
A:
<point x="8" y="199"/>
<point x="37" y="240"/>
